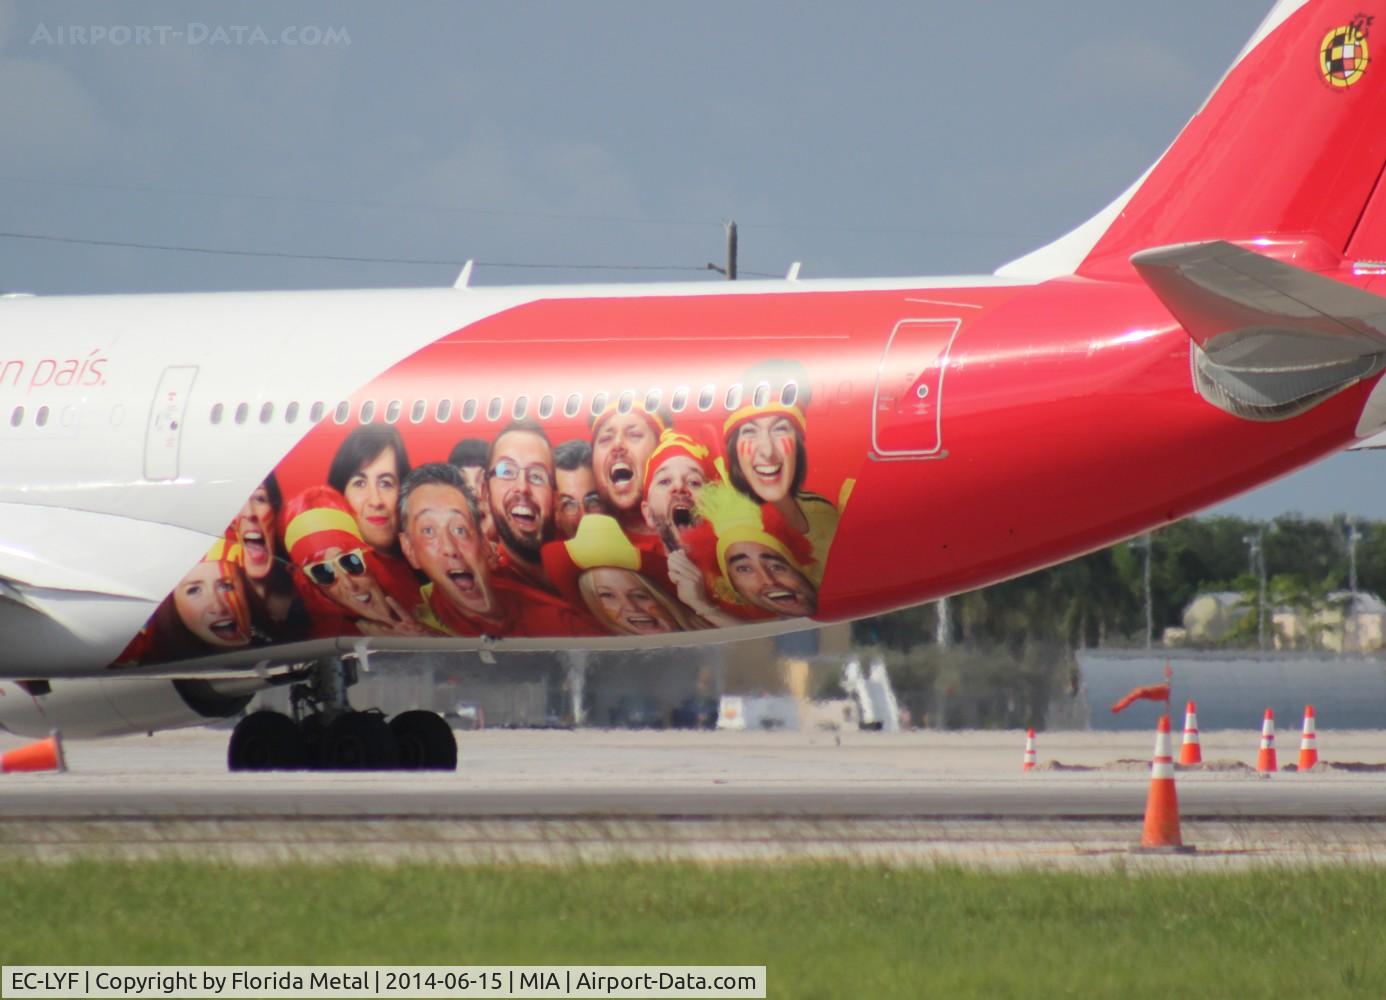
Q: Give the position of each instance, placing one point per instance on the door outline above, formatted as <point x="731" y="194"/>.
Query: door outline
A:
<point x="163" y="433"/>
<point x="902" y="454"/>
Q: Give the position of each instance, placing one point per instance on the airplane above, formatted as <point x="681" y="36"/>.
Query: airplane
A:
<point x="208" y="495"/>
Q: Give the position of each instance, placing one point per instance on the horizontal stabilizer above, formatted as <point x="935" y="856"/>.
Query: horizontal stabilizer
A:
<point x="1276" y="339"/>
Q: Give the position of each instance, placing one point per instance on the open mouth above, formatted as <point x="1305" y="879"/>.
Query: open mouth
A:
<point x="681" y="515"/>
<point x="643" y="623"/>
<point x="768" y="471"/>
<point x="524" y="515"/>
<point x="463" y="580"/>
<point x="225" y="629"/>
<point x="621" y="473"/>
<point x="362" y="598"/>
<point x="256" y="551"/>
<point x="782" y="598"/>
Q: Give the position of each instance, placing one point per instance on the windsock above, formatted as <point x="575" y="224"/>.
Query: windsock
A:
<point x="1028" y="763"/>
<point x="1191" y="752"/>
<point x="1265" y="759"/>
<point x="1308" y="741"/>
<point x="1162" y="804"/>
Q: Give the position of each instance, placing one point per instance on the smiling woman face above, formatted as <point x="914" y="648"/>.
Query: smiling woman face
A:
<point x="255" y="531"/>
<point x="767" y="455"/>
<point x="623" y="601"/>
<point x="211" y="604"/>
<point x="373" y="492"/>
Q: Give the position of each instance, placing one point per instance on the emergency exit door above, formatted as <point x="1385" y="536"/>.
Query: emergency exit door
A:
<point x="164" y="435"/>
<point x="907" y="417"/>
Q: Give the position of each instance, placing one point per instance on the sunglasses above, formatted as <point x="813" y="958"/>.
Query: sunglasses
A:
<point x="324" y="573"/>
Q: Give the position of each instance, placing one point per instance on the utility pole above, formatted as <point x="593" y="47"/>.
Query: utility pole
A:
<point x="730" y="269"/>
<point x="1146" y="541"/>
<point x="943" y="634"/>
<point x="1258" y="567"/>
<point x="1353" y="537"/>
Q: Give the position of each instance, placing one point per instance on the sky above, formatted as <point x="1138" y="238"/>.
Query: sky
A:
<point x="606" y="138"/>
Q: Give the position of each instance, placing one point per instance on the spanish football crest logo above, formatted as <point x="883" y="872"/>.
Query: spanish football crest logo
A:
<point x="1343" y="57"/>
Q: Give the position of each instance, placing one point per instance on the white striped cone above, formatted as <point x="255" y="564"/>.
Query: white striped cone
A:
<point x="1265" y="759"/>
<point x="1162" y="804"/>
<point x="1308" y="741"/>
<point x="1028" y="763"/>
<point x="1191" y="751"/>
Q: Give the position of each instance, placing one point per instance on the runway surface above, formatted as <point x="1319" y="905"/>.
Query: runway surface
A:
<point x="596" y="795"/>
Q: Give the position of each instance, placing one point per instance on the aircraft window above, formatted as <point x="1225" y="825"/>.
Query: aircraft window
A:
<point x="291" y="413"/>
<point x="520" y="408"/>
<point x="598" y="403"/>
<point x="574" y="403"/>
<point x="266" y="413"/>
<point x="17" y="417"/>
<point x="546" y="408"/>
<point x="418" y="411"/>
<point x="242" y="411"/>
<point x="444" y="411"/>
<point x="733" y="399"/>
<point x="41" y="417"/>
<point x="789" y="394"/>
<point x="367" y="411"/>
<point x="316" y="411"/>
<point x="342" y="412"/>
<point x="217" y="411"/>
<point x="652" y="400"/>
<point x="392" y="409"/>
<point x="493" y="408"/>
<point x="469" y="411"/>
<point x="705" y="398"/>
<point x="627" y="400"/>
<point x="679" y="400"/>
<point x="762" y="394"/>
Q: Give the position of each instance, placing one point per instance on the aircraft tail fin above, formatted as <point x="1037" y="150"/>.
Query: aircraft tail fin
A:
<point x="1292" y="142"/>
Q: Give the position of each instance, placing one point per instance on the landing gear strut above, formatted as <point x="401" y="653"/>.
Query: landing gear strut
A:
<point x="326" y="733"/>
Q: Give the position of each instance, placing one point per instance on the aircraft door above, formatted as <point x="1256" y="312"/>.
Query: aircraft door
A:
<point x="907" y="413"/>
<point x="165" y="431"/>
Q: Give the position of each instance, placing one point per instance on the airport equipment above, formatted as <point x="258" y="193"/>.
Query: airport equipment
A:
<point x="1161" y="832"/>
<point x="1191" y="751"/>
<point x="42" y="755"/>
<point x="1028" y="763"/>
<point x="1265" y="758"/>
<point x="1308" y="741"/>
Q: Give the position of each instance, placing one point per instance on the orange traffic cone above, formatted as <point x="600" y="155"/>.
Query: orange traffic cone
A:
<point x="1161" y="831"/>
<point x="1028" y="763"/>
<point x="1308" y="741"/>
<point x="1265" y="759"/>
<point x="45" y="755"/>
<point x="1191" y="752"/>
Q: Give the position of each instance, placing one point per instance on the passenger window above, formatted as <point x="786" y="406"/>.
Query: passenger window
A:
<point x="762" y="394"/>
<point x="41" y="417"/>
<point x="520" y="408"/>
<point x="598" y="403"/>
<point x="217" y="411"/>
<point x="290" y="413"/>
<point x="17" y="417"/>
<point x="546" y="408"/>
<point x="242" y="411"/>
<point x="316" y="412"/>
<point x="733" y="399"/>
<point x="706" y="397"/>
<point x="493" y="409"/>
<point x="469" y="411"/>
<point x="418" y="411"/>
<point x="652" y="400"/>
<point x="342" y="413"/>
<point x="574" y="403"/>
<point x="679" y="400"/>
<point x="266" y="413"/>
<point x="444" y="411"/>
<point x="367" y="411"/>
<point x="789" y="394"/>
<point x="392" y="411"/>
<point x="626" y="401"/>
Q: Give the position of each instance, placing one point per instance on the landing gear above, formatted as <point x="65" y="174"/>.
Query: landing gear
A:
<point x="326" y="733"/>
<point x="266" y="741"/>
<point x="425" y="742"/>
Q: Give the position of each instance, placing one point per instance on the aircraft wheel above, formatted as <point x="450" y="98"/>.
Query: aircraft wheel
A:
<point x="265" y="741"/>
<point x="426" y="742"/>
<point x="314" y="730"/>
<point x="358" y="741"/>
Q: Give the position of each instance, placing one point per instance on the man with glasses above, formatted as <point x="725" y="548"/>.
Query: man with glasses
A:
<point x="520" y="495"/>
<point x="576" y="486"/>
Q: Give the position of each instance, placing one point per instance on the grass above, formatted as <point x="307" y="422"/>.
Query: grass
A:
<point x="823" y="930"/>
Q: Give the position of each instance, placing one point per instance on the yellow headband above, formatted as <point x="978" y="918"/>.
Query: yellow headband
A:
<point x="740" y="416"/>
<point x="319" y="519"/>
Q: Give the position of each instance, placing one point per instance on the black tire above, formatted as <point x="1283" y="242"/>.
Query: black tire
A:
<point x="313" y="729"/>
<point x="358" y="741"/>
<point x="426" y="742"/>
<point x="265" y="741"/>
